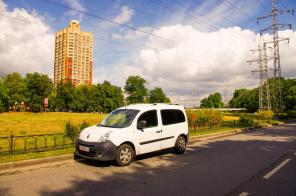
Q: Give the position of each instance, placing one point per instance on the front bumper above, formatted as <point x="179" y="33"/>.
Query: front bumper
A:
<point x="105" y="151"/>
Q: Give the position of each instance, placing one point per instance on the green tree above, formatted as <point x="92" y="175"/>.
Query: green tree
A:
<point x="15" y="88"/>
<point x="289" y="94"/>
<point x="157" y="95"/>
<point x="213" y="101"/>
<point x="4" y="106"/>
<point x="81" y="99"/>
<point x="136" y="90"/>
<point x="39" y="86"/>
<point x="64" y="96"/>
<point x="111" y="96"/>
<point x="244" y="98"/>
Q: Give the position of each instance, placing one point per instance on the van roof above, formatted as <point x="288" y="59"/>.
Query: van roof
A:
<point x="146" y="106"/>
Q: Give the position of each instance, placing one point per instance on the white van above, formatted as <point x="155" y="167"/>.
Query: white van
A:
<point x="133" y="130"/>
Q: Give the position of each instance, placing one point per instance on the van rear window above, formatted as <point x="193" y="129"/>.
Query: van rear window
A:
<point x="171" y="116"/>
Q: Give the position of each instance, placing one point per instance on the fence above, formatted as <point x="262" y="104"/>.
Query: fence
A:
<point x="231" y="123"/>
<point x="13" y="145"/>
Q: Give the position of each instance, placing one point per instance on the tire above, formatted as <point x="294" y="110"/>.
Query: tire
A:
<point x="77" y="157"/>
<point x="180" y="145"/>
<point x="124" y="155"/>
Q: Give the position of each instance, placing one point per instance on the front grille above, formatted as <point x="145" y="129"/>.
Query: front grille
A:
<point x="90" y="145"/>
<point x="88" y="154"/>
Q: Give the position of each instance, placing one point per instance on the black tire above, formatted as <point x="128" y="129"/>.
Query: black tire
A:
<point x="77" y="157"/>
<point x="180" y="145"/>
<point x="124" y="155"/>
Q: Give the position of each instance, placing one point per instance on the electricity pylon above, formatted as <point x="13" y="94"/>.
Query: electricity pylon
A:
<point x="277" y="102"/>
<point x="264" y="95"/>
<point x="226" y="95"/>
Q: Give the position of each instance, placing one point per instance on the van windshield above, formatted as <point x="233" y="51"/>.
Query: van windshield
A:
<point x="119" y="118"/>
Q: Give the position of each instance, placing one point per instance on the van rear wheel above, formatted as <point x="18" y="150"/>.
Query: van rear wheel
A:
<point x="124" y="155"/>
<point x="180" y="145"/>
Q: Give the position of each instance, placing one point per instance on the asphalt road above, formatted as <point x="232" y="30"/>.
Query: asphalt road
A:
<point x="255" y="163"/>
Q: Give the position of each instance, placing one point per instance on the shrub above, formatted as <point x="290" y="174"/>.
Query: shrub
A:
<point x="291" y="114"/>
<point x="265" y="115"/>
<point x="71" y="130"/>
<point x="83" y="125"/>
<point x="203" y="118"/>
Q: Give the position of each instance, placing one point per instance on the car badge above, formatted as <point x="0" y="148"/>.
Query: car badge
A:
<point x="87" y="136"/>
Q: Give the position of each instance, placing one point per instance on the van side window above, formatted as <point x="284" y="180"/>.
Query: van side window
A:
<point x="172" y="117"/>
<point x="150" y="117"/>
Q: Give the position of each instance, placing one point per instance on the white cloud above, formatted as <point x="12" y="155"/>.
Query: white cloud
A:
<point x="201" y="62"/>
<point x="24" y="46"/>
<point x="132" y="34"/>
<point x="124" y="16"/>
<point x="77" y="7"/>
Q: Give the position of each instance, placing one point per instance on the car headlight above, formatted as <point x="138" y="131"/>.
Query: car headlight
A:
<point x="104" y="138"/>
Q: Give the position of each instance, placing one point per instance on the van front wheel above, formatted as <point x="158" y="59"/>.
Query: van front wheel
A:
<point x="180" y="145"/>
<point x="124" y="155"/>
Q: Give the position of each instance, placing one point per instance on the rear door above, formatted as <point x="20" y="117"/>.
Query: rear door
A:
<point x="149" y="136"/>
<point x="173" y="123"/>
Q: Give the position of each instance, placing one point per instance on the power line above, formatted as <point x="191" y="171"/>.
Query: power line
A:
<point x="100" y="38"/>
<point x="105" y="19"/>
<point x="275" y="27"/>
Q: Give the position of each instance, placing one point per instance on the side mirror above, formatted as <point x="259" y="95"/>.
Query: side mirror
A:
<point x="142" y="124"/>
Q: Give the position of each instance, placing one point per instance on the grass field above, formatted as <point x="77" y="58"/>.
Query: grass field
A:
<point x="24" y="123"/>
<point x="230" y="118"/>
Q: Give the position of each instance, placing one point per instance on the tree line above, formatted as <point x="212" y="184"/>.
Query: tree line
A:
<point x="27" y="93"/>
<point x="249" y="98"/>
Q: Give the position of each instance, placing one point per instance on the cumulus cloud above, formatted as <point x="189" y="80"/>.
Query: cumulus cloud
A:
<point x="26" y="42"/>
<point x="125" y="15"/>
<point x="202" y="62"/>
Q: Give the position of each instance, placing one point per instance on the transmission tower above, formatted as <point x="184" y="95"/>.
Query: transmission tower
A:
<point x="277" y="100"/>
<point x="226" y="95"/>
<point x="264" y="95"/>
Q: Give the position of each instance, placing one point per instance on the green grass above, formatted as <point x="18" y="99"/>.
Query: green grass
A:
<point x="193" y="133"/>
<point x="25" y="123"/>
<point x="35" y="155"/>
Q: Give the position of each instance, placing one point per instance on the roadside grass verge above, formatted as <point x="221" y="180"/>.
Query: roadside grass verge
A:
<point x="36" y="155"/>
<point x="204" y="132"/>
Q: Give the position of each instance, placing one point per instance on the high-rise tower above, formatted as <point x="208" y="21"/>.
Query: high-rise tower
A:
<point x="73" y="55"/>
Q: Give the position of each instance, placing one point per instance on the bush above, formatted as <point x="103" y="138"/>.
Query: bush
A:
<point x="83" y="125"/>
<point x="203" y="118"/>
<point x="291" y="114"/>
<point x="266" y="115"/>
<point x="71" y="130"/>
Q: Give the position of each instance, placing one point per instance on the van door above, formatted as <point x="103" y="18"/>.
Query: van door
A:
<point x="149" y="132"/>
<point x="172" y="126"/>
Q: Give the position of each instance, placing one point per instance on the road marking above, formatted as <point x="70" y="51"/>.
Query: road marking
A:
<point x="276" y="169"/>
<point x="243" y="194"/>
<point x="295" y="153"/>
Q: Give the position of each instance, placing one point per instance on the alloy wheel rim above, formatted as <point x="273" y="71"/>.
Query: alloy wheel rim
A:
<point x="125" y="155"/>
<point x="182" y="144"/>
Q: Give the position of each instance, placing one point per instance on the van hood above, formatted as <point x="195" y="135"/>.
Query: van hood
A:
<point x="93" y="133"/>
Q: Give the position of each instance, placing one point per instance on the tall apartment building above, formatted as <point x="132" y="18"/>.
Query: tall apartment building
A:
<point x="73" y="55"/>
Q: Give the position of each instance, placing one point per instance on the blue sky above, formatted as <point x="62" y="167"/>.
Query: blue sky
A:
<point x="198" y="39"/>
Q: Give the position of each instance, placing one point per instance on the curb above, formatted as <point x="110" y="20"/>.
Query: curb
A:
<point x="34" y="162"/>
<point x="223" y="134"/>
<point x="6" y="168"/>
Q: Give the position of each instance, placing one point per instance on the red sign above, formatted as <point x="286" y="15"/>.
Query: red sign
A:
<point x="46" y="102"/>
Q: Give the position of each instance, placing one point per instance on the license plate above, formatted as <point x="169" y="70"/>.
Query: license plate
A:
<point x="84" y="148"/>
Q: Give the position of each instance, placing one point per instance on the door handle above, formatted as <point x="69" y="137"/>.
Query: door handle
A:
<point x="159" y="131"/>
